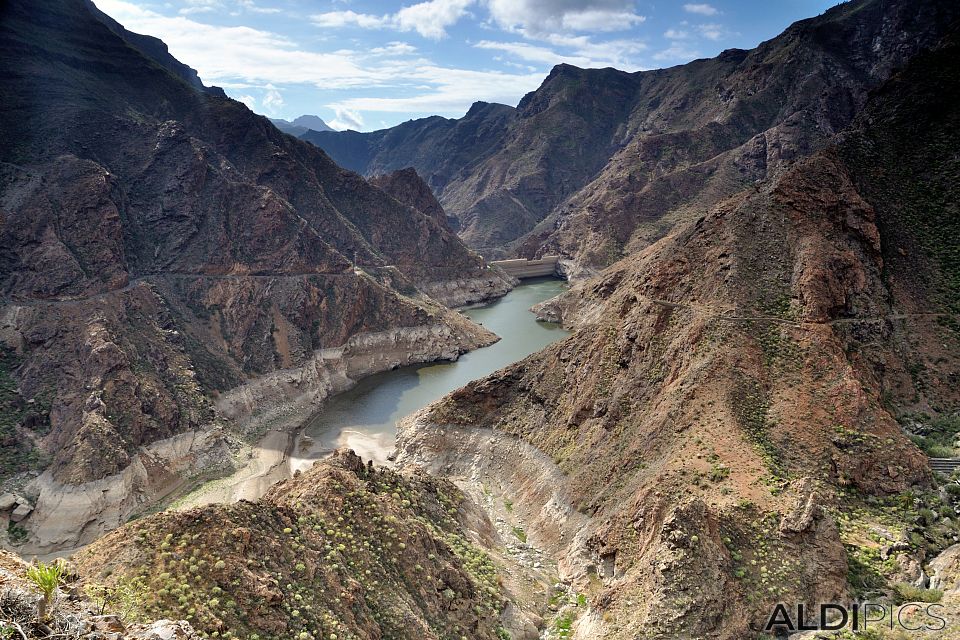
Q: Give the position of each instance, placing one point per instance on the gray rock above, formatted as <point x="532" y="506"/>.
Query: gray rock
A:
<point x="21" y="512"/>
<point x="164" y="630"/>
<point x="7" y="501"/>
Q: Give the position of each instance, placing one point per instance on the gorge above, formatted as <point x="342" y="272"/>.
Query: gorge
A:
<point x="255" y="385"/>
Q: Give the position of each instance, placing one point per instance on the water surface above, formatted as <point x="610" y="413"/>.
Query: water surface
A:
<point x="365" y="417"/>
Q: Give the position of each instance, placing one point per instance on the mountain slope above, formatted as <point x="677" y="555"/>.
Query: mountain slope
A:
<point x="598" y="163"/>
<point x="721" y="431"/>
<point x="441" y="150"/>
<point x="342" y="551"/>
<point x="164" y="255"/>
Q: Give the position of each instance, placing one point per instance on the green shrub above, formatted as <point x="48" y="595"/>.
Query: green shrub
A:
<point x="46" y="577"/>
<point x="909" y="593"/>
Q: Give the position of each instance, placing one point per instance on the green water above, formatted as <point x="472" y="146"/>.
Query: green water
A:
<point x="365" y="417"/>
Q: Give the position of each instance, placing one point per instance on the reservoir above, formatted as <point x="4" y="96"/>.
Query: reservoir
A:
<point x="364" y="418"/>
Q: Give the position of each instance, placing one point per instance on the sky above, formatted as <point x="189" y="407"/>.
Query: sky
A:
<point x="371" y="64"/>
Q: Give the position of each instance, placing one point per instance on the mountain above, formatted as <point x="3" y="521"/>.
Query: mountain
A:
<point x="406" y="186"/>
<point x="440" y="149"/>
<point x="342" y="551"/>
<point x="178" y="276"/>
<point x="726" y="427"/>
<point x="301" y="125"/>
<point x="598" y="163"/>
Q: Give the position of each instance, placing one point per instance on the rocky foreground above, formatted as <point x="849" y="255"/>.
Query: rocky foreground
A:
<point x="344" y="550"/>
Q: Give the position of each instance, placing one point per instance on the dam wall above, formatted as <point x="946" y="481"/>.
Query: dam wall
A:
<point x="522" y="268"/>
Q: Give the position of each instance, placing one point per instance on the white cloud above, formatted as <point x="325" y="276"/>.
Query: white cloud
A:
<point x="248" y="61"/>
<point x="201" y="6"/>
<point x="713" y="32"/>
<point x="676" y="53"/>
<point x="346" y="119"/>
<point x="248" y="100"/>
<point x="676" y="34"/>
<point x="250" y="5"/>
<point x="430" y="19"/>
<point x="451" y="91"/>
<point x="338" y="19"/>
<point x="533" y="53"/>
<point x="701" y="9"/>
<point x="242" y="57"/>
<point x="272" y="100"/>
<point x="584" y="52"/>
<point x="535" y="17"/>
<point x="394" y="49"/>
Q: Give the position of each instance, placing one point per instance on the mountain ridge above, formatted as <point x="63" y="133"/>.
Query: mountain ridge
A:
<point x="551" y="180"/>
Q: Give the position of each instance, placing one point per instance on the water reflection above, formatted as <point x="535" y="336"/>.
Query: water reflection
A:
<point x="365" y="417"/>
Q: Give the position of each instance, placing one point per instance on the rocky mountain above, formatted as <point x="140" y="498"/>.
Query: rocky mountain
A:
<point x="301" y="125"/>
<point x="725" y="428"/>
<point x="344" y="550"/>
<point x="440" y="149"/>
<point x="406" y="186"/>
<point x="175" y="270"/>
<point x="598" y="163"/>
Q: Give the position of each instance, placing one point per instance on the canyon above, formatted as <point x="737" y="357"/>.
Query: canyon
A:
<point x="760" y="344"/>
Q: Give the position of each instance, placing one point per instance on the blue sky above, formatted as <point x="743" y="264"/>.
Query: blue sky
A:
<point x="370" y="64"/>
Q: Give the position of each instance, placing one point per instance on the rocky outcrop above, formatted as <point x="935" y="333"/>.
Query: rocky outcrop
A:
<point x="406" y="186"/>
<point x="344" y="549"/>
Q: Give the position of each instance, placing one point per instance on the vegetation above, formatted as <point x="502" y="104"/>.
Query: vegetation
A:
<point x="909" y="593"/>
<point x="919" y="523"/>
<point x="348" y="553"/>
<point x="935" y="436"/>
<point x="46" y="577"/>
<point x="18" y="453"/>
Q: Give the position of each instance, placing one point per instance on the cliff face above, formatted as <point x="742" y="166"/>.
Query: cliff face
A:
<point x="161" y="245"/>
<point x="720" y="432"/>
<point x="596" y="164"/>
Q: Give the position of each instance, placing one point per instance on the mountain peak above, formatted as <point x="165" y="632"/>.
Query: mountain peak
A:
<point x="301" y="125"/>
<point x="312" y="122"/>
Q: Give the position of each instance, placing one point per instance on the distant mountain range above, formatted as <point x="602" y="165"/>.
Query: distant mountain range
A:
<point x="597" y="163"/>
<point x="301" y="125"/>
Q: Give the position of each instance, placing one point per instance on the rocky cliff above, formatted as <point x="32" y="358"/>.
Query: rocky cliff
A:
<point x="721" y="431"/>
<point x="161" y="246"/>
<point x="598" y="163"/>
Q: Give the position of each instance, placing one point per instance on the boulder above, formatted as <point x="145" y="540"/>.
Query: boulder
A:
<point x="164" y="630"/>
<point x="21" y="512"/>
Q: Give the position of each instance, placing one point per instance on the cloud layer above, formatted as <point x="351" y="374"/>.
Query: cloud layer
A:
<point x="521" y="40"/>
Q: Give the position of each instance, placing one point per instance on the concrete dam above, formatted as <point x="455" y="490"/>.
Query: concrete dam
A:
<point x="523" y="268"/>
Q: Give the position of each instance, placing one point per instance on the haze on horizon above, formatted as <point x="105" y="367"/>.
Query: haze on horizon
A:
<point x="371" y="64"/>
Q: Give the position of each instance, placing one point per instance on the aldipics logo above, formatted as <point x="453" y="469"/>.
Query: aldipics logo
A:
<point x="859" y="616"/>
